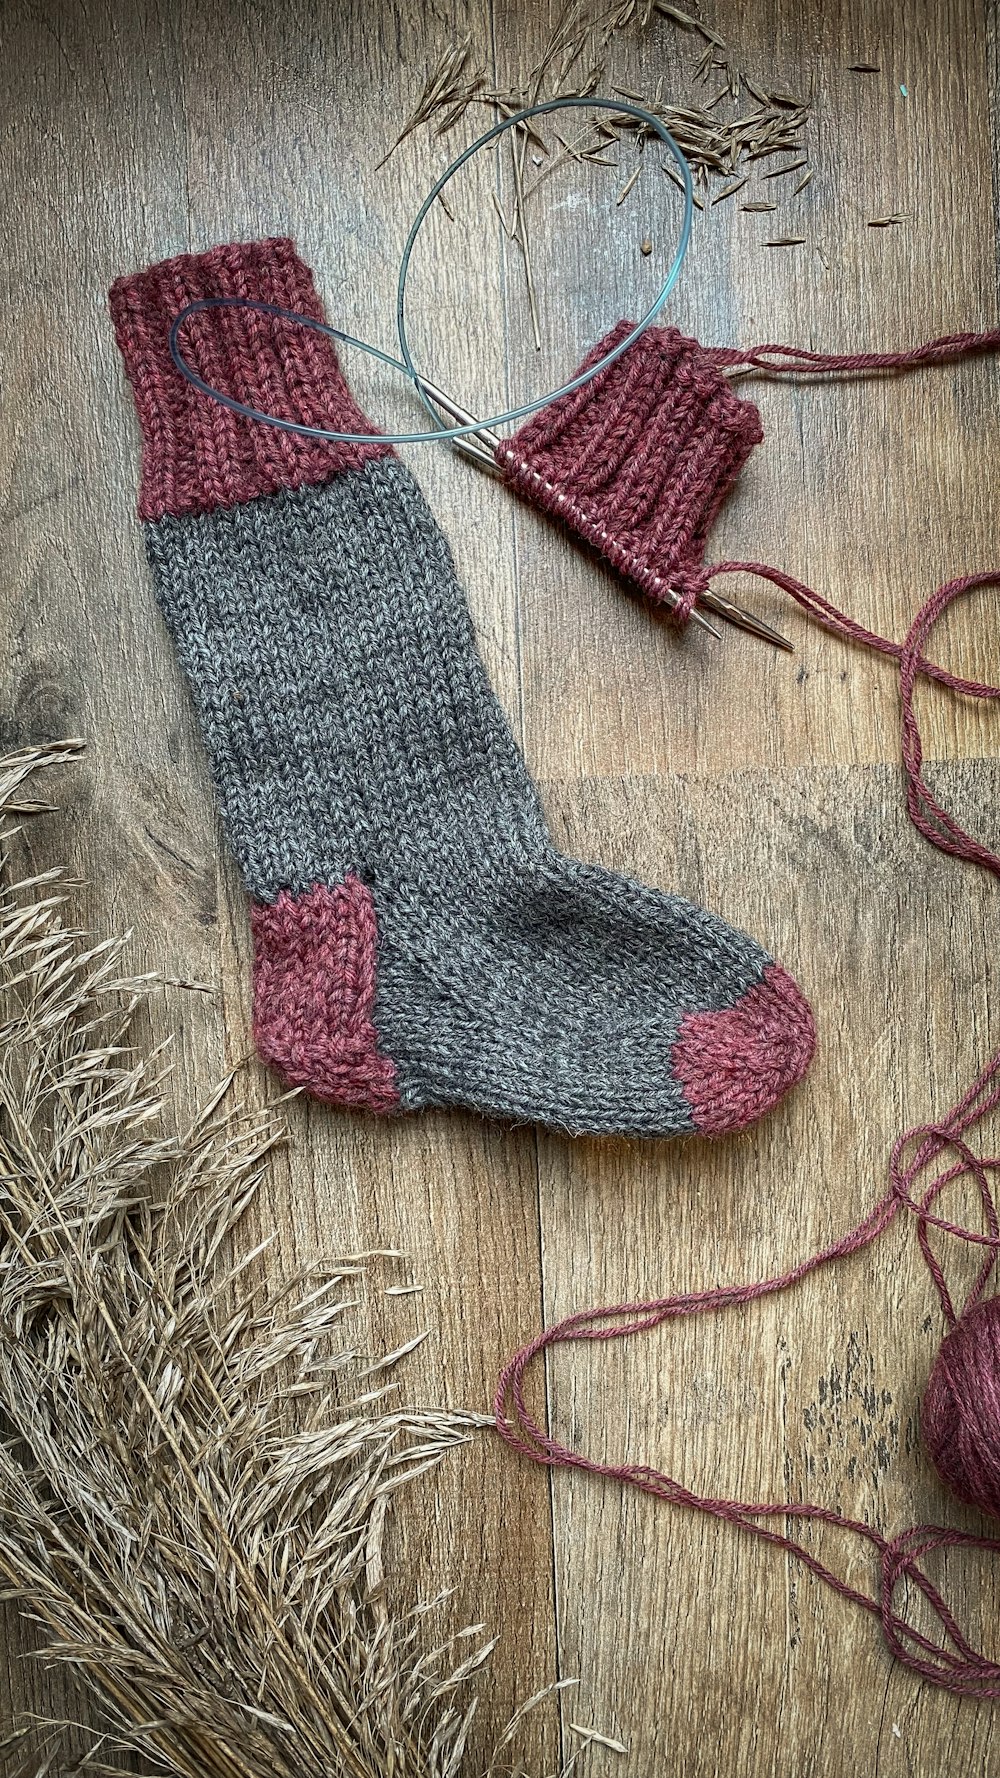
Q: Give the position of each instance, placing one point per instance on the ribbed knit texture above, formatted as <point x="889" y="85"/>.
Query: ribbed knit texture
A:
<point x="639" y="460"/>
<point x="419" y="940"/>
<point x="198" y="454"/>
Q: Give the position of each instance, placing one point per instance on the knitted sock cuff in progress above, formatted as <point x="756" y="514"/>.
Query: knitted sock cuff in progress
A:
<point x="639" y="460"/>
<point x="197" y="454"/>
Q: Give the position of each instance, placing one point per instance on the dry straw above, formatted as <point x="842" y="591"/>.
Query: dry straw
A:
<point x="574" y="61"/>
<point x="193" y="1492"/>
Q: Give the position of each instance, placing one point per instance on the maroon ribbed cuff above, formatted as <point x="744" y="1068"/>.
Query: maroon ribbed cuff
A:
<point x="197" y="454"/>
<point x="639" y="460"/>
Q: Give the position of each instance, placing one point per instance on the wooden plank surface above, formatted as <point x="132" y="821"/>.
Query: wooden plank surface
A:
<point x="763" y="785"/>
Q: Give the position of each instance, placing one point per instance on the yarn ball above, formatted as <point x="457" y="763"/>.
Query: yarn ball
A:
<point x="961" y="1412"/>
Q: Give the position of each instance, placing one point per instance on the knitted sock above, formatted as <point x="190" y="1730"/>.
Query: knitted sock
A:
<point x="419" y="940"/>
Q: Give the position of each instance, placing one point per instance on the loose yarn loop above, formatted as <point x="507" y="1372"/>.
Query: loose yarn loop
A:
<point x="961" y="1411"/>
<point x="962" y="1394"/>
<point x="926" y="813"/>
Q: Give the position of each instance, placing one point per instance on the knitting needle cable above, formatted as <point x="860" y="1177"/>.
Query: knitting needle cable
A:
<point x="474" y="437"/>
<point x="469" y="433"/>
<point x="405" y="365"/>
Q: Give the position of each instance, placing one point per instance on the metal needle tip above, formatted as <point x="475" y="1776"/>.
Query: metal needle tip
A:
<point x="745" y="620"/>
<point x="480" y="444"/>
<point x="696" y="617"/>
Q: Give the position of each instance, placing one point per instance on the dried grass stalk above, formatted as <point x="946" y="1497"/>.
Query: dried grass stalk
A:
<point x="450" y="88"/>
<point x="192" y="1506"/>
<point x="573" y="62"/>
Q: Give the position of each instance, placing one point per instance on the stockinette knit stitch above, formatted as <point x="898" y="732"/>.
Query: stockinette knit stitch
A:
<point x="418" y="938"/>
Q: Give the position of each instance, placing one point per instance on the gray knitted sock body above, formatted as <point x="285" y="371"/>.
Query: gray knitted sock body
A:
<point x="419" y="940"/>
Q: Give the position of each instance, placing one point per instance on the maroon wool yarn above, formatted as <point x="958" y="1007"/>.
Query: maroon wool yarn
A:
<point x="639" y="461"/>
<point x="960" y="1419"/>
<point x="961" y="1409"/>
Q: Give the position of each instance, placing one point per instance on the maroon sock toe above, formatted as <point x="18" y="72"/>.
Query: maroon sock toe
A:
<point x="736" y="1064"/>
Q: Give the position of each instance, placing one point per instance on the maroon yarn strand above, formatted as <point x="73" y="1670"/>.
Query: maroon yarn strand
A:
<point x="785" y="360"/>
<point x="840" y="624"/>
<point x="951" y="1662"/>
<point x="959" y="1668"/>
<point x="926" y="813"/>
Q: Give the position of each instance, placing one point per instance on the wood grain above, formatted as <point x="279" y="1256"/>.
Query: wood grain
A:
<point x="765" y="786"/>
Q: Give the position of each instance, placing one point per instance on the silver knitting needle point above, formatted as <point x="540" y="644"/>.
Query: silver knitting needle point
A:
<point x="480" y="444"/>
<point x="744" y="620"/>
<point x="697" y="618"/>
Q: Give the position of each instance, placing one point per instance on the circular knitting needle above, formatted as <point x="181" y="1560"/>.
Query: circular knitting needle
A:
<point x="484" y="453"/>
<point x="492" y="439"/>
<point x="483" y="445"/>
